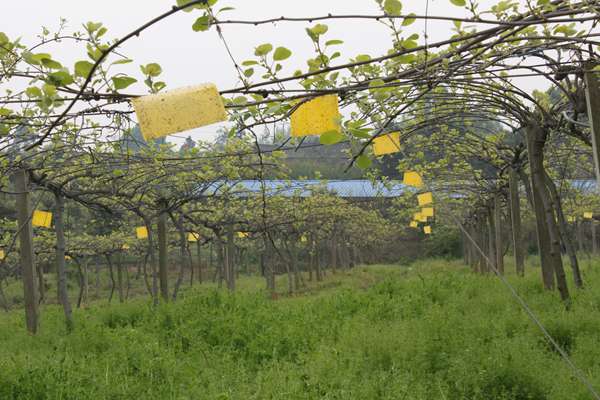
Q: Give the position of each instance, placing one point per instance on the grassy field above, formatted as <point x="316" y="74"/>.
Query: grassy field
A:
<point x="429" y="331"/>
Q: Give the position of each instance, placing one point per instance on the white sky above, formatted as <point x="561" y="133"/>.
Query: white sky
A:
<point x="188" y="57"/>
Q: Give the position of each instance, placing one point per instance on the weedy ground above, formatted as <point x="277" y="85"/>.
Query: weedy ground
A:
<point x="431" y="330"/>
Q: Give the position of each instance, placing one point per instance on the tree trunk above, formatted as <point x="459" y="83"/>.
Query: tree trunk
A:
<point x="112" y="277"/>
<point x="120" y="287"/>
<point x="564" y="232"/>
<point x="30" y="290"/>
<point x="59" y="228"/>
<point x="163" y="257"/>
<point x="515" y="216"/>
<point x="153" y="261"/>
<point x="498" y="234"/>
<point x="230" y="258"/>
<point x="594" y="238"/>
<point x="580" y="235"/>
<point x="492" y="236"/>
<point x="184" y="256"/>
<point x="535" y="145"/>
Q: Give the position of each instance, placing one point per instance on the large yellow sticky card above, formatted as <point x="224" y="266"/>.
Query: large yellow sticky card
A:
<point x="425" y="199"/>
<point x="588" y="215"/>
<point x="316" y="117"/>
<point x="179" y="110"/>
<point x="141" y="232"/>
<point x="193" y="237"/>
<point x="427" y="230"/>
<point x="42" y="219"/>
<point x="386" y="144"/>
<point x="428" y="211"/>
<point x="414" y="224"/>
<point x="412" y="178"/>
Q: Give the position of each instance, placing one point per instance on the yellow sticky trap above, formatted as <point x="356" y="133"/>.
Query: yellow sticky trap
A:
<point x="588" y="215"/>
<point x="427" y="230"/>
<point x="425" y="199"/>
<point x="193" y="237"/>
<point x="179" y="110"/>
<point x="412" y="178"/>
<point x="68" y="258"/>
<point x="141" y="232"/>
<point x="42" y="219"/>
<point x="571" y="219"/>
<point x="303" y="239"/>
<point x="386" y="144"/>
<point x="125" y="247"/>
<point x="420" y="217"/>
<point x="427" y="212"/>
<point x="2" y="255"/>
<point x="242" y="235"/>
<point x="316" y="117"/>
<point x="414" y="224"/>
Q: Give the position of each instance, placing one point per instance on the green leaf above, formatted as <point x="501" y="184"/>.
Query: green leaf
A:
<point x="122" y="82"/>
<point x="152" y="69"/>
<point x="60" y="78"/>
<point x="331" y="137"/>
<point x="364" y="162"/>
<point x="263" y="49"/>
<point x="333" y="42"/>
<point x="202" y="24"/>
<point x="282" y="53"/>
<point x="409" y="20"/>
<point x="91" y="27"/>
<point x="392" y="7"/>
<point x="182" y="3"/>
<point x="83" y="68"/>
<point x="459" y="3"/>
<point x="33" y="91"/>
<point x="122" y="61"/>
<point x="158" y="86"/>
<point x="49" y="90"/>
<point x="48" y="62"/>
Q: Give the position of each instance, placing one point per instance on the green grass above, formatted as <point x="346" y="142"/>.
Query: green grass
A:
<point x="431" y="331"/>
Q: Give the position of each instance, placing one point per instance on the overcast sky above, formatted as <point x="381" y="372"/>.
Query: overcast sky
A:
<point x="188" y="57"/>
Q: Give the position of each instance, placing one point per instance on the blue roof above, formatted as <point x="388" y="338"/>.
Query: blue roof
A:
<point x="305" y="188"/>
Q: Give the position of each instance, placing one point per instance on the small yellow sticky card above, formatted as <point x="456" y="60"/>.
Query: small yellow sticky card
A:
<point x="414" y="224"/>
<point x="386" y="144"/>
<point x="125" y="247"/>
<point x="425" y="199"/>
<point x="303" y="239"/>
<point x="141" y="232"/>
<point x="588" y="215"/>
<point x="193" y="237"/>
<point x="427" y="230"/>
<point x="412" y="178"/>
<point x="427" y="211"/>
<point x="242" y="235"/>
<point x="316" y="117"/>
<point x="68" y="258"/>
<point x="179" y="110"/>
<point x="570" y="219"/>
<point x="42" y="219"/>
<point x="2" y="255"/>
